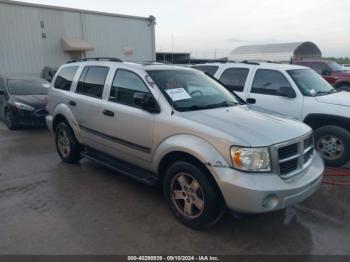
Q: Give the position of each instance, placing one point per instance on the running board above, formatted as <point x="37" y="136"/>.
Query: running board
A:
<point x="122" y="167"/>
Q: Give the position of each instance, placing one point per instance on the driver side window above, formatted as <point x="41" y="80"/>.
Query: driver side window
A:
<point x="125" y="85"/>
<point x="268" y="82"/>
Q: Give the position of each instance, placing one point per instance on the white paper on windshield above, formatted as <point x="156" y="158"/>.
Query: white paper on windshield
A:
<point x="46" y="85"/>
<point x="177" y="94"/>
<point x="312" y="91"/>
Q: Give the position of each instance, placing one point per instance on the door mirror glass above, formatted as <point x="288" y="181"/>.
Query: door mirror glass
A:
<point x="286" y="91"/>
<point x="146" y="102"/>
<point x="326" y="72"/>
<point x="251" y="101"/>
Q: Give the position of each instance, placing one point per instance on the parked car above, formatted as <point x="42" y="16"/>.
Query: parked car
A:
<point x="23" y="101"/>
<point x="178" y="128"/>
<point x="297" y="92"/>
<point x="336" y="75"/>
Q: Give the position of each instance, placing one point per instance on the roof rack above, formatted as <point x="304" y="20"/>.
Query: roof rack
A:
<point x="111" y="59"/>
<point x="249" y="62"/>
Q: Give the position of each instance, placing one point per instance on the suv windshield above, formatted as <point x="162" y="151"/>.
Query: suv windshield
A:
<point x="190" y="90"/>
<point x="28" y="86"/>
<point x="335" y="67"/>
<point x="310" y="83"/>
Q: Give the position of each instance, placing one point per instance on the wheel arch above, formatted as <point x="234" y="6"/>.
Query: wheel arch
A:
<point x="316" y="121"/>
<point x="342" y="83"/>
<point x="62" y="113"/>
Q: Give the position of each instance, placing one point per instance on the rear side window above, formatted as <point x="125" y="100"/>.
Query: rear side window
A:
<point x="92" y="81"/>
<point x="319" y="67"/>
<point x="65" y="77"/>
<point x="268" y="82"/>
<point x="234" y="78"/>
<point x="211" y="70"/>
<point x="125" y="85"/>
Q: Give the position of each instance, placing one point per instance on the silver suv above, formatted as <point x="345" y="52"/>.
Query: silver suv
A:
<point x="181" y="129"/>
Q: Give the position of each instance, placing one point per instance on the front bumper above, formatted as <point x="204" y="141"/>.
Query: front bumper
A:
<point x="30" y="118"/>
<point x="258" y="193"/>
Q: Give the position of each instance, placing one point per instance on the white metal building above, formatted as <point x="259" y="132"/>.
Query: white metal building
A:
<point x="35" y="36"/>
<point x="276" y="52"/>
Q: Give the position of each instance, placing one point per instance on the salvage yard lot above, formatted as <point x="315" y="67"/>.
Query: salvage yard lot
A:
<point x="48" y="207"/>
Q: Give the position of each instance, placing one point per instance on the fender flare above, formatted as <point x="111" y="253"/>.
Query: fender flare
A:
<point x="333" y="119"/>
<point x="195" y="146"/>
<point x="64" y="111"/>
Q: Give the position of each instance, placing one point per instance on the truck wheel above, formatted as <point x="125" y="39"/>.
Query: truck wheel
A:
<point x="67" y="146"/>
<point x="191" y="196"/>
<point x="333" y="142"/>
<point x="343" y="88"/>
<point x="10" y="122"/>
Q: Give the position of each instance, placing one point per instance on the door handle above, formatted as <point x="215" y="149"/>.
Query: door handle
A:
<point x="108" y="113"/>
<point x="72" y="103"/>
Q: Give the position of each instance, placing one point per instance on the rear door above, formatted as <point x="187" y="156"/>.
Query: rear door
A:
<point x="85" y="103"/>
<point x="264" y="88"/>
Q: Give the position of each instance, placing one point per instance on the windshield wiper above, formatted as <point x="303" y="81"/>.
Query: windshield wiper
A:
<point x="210" y="106"/>
<point x="325" y="92"/>
<point x="222" y="104"/>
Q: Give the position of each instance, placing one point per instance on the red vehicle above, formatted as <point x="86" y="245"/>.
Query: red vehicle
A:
<point x="335" y="74"/>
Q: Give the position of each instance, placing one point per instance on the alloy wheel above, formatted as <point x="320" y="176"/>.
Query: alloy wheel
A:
<point x="330" y="146"/>
<point x="187" y="195"/>
<point x="64" y="143"/>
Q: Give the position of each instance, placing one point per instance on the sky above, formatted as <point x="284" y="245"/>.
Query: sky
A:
<point x="213" y="28"/>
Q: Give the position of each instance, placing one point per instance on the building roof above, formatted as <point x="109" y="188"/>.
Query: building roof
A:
<point x="10" y="2"/>
<point x="276" y="52"/>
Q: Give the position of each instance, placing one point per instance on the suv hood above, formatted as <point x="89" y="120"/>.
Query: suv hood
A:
<point x="345" y="74"/>
<point x="339" y="98"/>
<point x="36" y="101"/>
<point x="247" y="127"/>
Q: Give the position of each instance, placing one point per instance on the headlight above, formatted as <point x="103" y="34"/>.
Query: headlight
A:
<point x="23" y="106"/>
<point x="251" y="159"/>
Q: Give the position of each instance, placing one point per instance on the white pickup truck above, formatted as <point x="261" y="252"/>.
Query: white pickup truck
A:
<point x="293" y="91"/>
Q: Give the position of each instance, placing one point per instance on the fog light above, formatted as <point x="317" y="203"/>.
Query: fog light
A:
<point x="271" y="201"/>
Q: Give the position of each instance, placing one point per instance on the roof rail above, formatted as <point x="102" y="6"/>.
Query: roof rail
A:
<point x="249" y="62"/>
<point x="111" y="59"/>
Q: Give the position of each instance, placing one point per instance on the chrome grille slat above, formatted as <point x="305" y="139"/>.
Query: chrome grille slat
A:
<point x="294" y="156"/>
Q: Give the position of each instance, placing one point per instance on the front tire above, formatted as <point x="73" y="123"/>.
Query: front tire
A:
<point x="67" y="146"/>
<point x="333" y="142"/>
<point x="192" y="196"/>
<point x="10" y="121"/>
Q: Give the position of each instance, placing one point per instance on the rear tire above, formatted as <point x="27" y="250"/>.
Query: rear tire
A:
<point x="9" y="120"/>
<point x="67" y="146"/>
<point x="192" y="196"/>
<point x="333" y="142"/>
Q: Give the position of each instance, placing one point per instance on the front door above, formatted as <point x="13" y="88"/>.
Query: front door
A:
<point x="128" y="128"/>
<point x="264" y="90"/>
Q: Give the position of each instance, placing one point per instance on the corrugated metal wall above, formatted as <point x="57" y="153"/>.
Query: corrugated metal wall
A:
<point x="23" y="50"/>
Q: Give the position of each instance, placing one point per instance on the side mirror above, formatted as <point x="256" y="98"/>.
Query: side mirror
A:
<point x="146" y="102"/>
<point x="251" y="101"/>
<point x="326" y="72"/>
<point x="286" y="91"/>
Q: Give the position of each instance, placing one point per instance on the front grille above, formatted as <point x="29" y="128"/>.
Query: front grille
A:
<point x="294" y="156"/>
<point x="289" y="166"/>
<point x="287" y="151"/>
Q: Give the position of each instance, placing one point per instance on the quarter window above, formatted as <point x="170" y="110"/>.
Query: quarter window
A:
<point x="268" y="82"/>
<point x="211" y="70"/>
<point x="65" y="77"/>
<point x="234" y="78"/>
<point x="92" y="81"/>
<point x="125" y="85"/>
